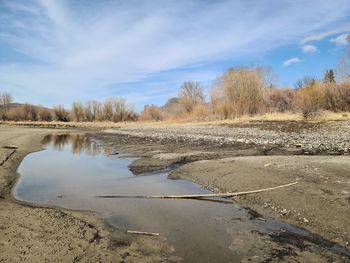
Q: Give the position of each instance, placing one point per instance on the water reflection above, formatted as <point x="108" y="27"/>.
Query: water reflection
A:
<point x="79" y="143"/>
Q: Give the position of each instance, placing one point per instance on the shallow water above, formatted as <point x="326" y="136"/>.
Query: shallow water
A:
<point x="72" y="170"/>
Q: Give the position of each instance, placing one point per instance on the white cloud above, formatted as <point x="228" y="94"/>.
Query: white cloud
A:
<point x="309" y="49"/>
<point x="319" y="36"/>
<point x="67" y="50"/>
<point x="291" y="61"/>
<point x="341" y="40"/>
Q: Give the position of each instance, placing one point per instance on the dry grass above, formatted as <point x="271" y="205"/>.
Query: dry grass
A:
<point x="321" y="117"/>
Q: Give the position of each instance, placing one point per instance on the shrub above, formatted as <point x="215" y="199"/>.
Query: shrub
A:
<point x="337" y="97"/>
<point x="238" y="92"/>
<point x="78" y="111"/>
<point x="280" y="100"/>
<point x="61" y="114"/>
<point x="311" y="99"/>
<point x="152" y="113"/>
<point x="45" y="115"/>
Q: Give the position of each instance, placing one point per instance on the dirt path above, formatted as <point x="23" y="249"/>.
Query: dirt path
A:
<point x="37" y="234"/>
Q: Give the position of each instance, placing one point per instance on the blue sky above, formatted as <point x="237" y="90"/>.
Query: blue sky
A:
<point x="58" y="51"/>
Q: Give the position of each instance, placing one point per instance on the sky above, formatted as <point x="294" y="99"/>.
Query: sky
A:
<point x="59" y="51"/>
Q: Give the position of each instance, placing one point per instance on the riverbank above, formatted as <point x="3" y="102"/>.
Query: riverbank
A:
<point x="45" y="234"/>
<point x="232" y="158"/>
<point x="219" y="157"/>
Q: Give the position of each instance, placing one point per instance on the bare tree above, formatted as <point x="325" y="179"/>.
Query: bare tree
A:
<point x="61" y="114"/>
<point x="191" y="94"/>
<point x="107" y="110"/>
<point x="5" y="101"/>
<point x="343" y="67"/>
<point x="78" y="111"/>
<point x="96" y="109"/>
<point x="305" y="82"/>
<point x="45" y="114"/>
<point x="29" y="112"/>
<point x="120" y="110"/>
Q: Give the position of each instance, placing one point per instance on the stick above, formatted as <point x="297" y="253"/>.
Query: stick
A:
<point x="142" y="233"/>
<point x="199" y="195"/>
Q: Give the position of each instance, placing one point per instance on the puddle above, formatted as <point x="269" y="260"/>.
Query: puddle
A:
<point x="73" y="169"/>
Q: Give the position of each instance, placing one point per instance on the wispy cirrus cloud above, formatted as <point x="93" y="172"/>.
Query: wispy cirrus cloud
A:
<point x="291" y="61"/>
<point x="317" y="36"/>
<point x="309" y="49"/>
<point x="59" y="51"/>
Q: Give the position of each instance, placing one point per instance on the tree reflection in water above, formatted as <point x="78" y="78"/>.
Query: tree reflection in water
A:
<point x="80" y="143"/>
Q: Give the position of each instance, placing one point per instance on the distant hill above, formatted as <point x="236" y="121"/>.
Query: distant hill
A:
<point x="17" y="105"/>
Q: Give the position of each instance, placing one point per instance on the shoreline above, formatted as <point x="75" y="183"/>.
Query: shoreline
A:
<point x="325" y="175"/>
<point x="97" y="242"/>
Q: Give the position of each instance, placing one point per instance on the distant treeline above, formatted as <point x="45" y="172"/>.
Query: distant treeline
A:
<point x="114" y="109"/>
<point x="239" y="91"/>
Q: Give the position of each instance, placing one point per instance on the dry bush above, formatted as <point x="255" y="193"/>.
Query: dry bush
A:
<point x="216" y="100"/>
<point x="5" y="101"/>
<point x="30" y="112"/>
<point x="61" y="114"/>
<point x="15" y="114"/>
<point x="279" y="100"/>
<point x="305" y="82"/>
<point x="77" y="111"/>
<point x="152" y="113"/>
<point x="25" y="112"/>
<point x="200" y="112"/>
<point x="239" y="92"/>
<point x="311" y="99"/>
<point x="337" y="97"/>
<point x="122" y="111"/>
<point x="107" y="110"/>
<point x="96" y="110"/>
<point x="93" y="111"/>
<point x="191" y="94"/>
<point x="45" y="115"/>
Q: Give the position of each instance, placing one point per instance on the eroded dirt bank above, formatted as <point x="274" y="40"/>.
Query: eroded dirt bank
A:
<point x="37" y="234"/>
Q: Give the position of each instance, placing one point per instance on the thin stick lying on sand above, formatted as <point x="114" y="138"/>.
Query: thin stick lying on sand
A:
<point x="199" y="195"/>
<point x="142" y="233"/>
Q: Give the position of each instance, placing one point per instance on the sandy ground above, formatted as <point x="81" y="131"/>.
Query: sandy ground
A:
<point x="38" y="234"/>
<point x="319" y="202"/>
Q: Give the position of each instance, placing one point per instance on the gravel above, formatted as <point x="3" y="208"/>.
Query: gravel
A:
<point x="329" y="138"/>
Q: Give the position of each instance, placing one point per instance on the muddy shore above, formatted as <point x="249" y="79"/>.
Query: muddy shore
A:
<point x="221" y="158"/>
<point x="30" y="233"/>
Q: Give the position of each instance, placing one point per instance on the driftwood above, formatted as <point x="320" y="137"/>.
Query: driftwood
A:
<point x="199" y="195"/>
<point x="142" y="233"/>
